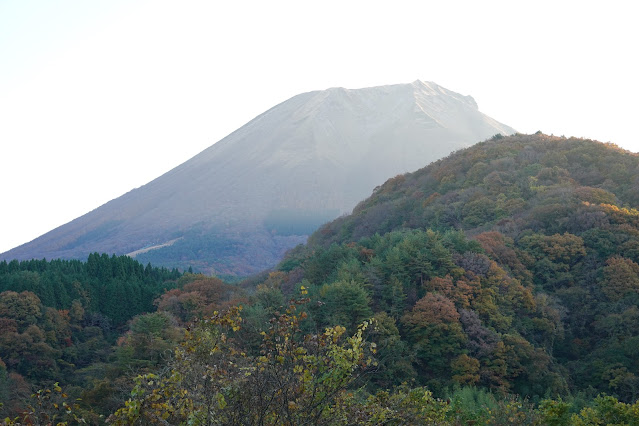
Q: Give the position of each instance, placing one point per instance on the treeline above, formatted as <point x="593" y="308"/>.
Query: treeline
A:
<point x="117" y="287"/>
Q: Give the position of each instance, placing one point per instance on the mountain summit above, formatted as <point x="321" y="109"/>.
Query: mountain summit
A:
<point x="238" y="205"/>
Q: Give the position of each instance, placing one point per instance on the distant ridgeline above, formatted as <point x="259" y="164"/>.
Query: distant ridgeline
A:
<point x="117" y="287"/>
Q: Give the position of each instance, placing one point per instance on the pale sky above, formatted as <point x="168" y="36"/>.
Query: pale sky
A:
<point x="100" y="97"/>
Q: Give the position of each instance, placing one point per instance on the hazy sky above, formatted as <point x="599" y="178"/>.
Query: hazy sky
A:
<point x="100" y="97"/>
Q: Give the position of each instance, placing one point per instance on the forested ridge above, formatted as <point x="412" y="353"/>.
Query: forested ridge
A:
<point x="499" y="285"/>
<point x="550" y="267"/>
<point x="554" y="218"/>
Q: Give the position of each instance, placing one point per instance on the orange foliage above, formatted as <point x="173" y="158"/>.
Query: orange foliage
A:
<point x="461" y="291"/>
<point x="198" y="298"/>
<point x="433" y="308"/>
<point x="497" y="247"/>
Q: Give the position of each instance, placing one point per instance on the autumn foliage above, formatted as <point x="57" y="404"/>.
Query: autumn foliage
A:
<point x="497" y="286"/>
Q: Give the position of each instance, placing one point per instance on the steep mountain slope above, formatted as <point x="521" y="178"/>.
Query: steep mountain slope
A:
<point x="235" y="207"/>
<point x="512" y="264"/>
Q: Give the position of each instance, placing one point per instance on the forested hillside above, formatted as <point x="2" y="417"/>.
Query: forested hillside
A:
<point x="499" y="285"/>
<point x="512" y="265"/>
<point x="503" y="278"/>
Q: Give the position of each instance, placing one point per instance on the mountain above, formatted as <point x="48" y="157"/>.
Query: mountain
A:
<point x="238" y="205"/>
<point x="511" y="265"/>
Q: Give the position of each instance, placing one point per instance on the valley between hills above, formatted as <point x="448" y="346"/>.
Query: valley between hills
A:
<point x="497" y="284"/>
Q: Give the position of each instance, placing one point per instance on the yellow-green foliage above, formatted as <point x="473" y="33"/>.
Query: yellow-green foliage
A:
<point x="211" y="380"/>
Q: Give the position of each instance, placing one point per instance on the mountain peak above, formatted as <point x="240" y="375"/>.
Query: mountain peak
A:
<point x="426" y="84"/>
<point x="428" y="88"/>
<point x="237" y="205"/>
